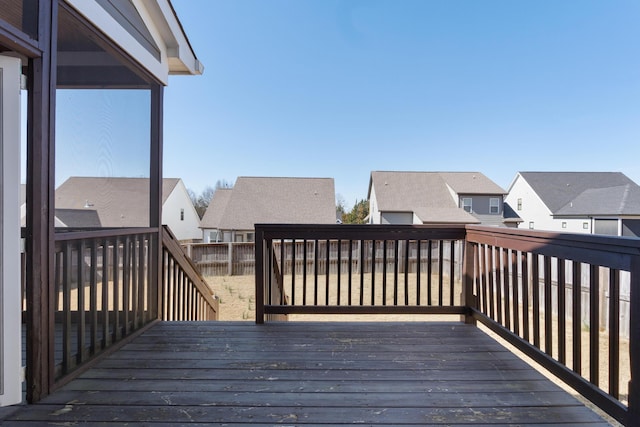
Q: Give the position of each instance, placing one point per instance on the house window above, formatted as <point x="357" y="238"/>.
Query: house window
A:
<point x="585" y="225"/>
<point x="564" y="224"/>
<point x="519" y="204"/>
<point x="467" y="204"/>
<point x="530" y="225"/>
<point x="494" y="205"/>
<point x="250" y="237"/>
<point x="181" y="214"/>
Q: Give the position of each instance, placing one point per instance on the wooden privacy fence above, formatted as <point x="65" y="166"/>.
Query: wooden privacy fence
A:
<point x="111" y="284"/>
<point x="230" y="259"/>
<point x="559" y="298"/>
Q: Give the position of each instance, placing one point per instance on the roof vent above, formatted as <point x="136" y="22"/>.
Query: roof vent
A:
<point x="87" y="204"/>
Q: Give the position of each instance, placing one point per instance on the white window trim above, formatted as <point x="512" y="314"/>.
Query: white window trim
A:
<point x="464" y="205"/>
<point x="497" y="206"/>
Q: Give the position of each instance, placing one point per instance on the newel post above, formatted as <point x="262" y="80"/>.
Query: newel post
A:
<point x="468" y="299"/>
<point x="259" y="268"/>
<point x="633" y="415"/>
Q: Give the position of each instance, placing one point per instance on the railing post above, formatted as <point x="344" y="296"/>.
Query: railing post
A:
<point x="468" y="299"/>
<point x="230" y="259"/>
<point x="260" y="261"/>
<point x="633" y="414"/>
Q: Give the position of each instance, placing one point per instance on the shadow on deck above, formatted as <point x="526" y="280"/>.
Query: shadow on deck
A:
<point x="307" y="373"/>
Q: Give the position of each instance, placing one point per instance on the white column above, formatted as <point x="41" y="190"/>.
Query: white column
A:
<point x="10" y="295"/>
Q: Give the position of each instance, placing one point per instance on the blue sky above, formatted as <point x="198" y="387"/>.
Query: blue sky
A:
<point x="338" y="88"/>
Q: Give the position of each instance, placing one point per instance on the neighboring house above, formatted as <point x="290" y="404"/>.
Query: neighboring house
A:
<point x="124" y="202"/>
<point x="435" y="198"/>
<point x="577" y="202"/>
<point x="233" y="212"/>
<point x="78" y="218"/>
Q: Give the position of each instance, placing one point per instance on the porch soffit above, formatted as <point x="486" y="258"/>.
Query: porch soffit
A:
<point x="159" y="22"/>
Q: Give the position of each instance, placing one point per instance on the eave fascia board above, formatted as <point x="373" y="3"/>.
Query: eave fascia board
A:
<point x="180" y="55"/>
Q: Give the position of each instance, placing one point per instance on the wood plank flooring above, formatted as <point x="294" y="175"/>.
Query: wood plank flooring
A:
<point x="308" y="373"/>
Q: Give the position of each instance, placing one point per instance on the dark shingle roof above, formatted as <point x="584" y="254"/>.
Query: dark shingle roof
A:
<point x="120" y="202"/>
<point x="212" y="217"/>
<point x="254" y="200"/>
<point x="429" y="194"/>
<point x="586" y="193"/>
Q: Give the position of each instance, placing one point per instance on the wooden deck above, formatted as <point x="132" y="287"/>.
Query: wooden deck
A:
<point x="295" y="373"/>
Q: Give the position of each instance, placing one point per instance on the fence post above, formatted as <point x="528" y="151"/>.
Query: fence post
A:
<point x="633" y="414"/>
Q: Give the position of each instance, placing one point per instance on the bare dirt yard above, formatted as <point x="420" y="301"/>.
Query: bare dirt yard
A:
<point x="237" y="303"/>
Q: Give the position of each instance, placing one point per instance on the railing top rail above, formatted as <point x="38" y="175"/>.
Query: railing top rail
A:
<point x="80" y="234"/>
<point x="613" y="252"/>
<point x="361" y="232"/>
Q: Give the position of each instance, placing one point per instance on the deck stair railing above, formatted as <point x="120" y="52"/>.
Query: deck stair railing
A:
<point x="185" y="294"/>
<point x="570" y="302"/>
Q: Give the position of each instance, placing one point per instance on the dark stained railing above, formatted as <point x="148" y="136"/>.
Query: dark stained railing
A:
<point x="558" y="298"/>
<point x="104" y="292"/>
<point x="185" y="294"/>
<point x="358" y="269"/>
<point x="568" y="301"/>
<point x="110" y="284"/>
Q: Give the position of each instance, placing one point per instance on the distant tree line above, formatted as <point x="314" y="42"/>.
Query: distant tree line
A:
<point x="201" y="201"/>
<point x="357" y="215"/>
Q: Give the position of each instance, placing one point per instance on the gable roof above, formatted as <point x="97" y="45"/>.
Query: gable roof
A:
<point x="212" y="217"/>
<point x="586" y="193"/>
<point x="429" y="194"/>
<point x="254" y="200"/>
<point x="120" y="202"/>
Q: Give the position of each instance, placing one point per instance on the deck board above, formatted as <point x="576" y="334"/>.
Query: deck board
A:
<point x="310" y="374"/>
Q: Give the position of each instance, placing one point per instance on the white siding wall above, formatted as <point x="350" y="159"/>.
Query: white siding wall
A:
<point x="533" y="209"/>
<point x="177" y="200"/>
<point x="374" y="213"/>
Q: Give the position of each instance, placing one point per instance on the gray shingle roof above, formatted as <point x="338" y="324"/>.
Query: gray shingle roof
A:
<point x="429" y="194"/>
<point x="78" y="217"/>
<point x="255" y="200"/>
<point x="120" y="202"/>
<point x="586" y="193"/>
<point x="212" y="217"/>
<point x="471" y="183"/>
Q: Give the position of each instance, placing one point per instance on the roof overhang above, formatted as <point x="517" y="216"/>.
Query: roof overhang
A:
<point x="176" y="54"/>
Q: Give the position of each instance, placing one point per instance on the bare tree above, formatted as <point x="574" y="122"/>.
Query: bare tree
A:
<point x="201" y="202"/>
